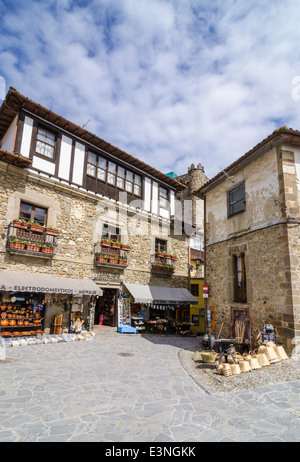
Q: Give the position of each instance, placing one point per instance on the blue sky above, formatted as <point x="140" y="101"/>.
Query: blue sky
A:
<point x="172" y="82"/>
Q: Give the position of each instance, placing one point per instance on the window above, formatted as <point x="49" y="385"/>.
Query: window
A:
<point x="45" y="143"/>
<point x="101" y="172"/>
<point x="96" y="165"/>
<point x="236" y="199"/>
<point x="111" y="232"/>
<point x="240" y="293"/>
<point x="129" y="181"/>
<point x="163" y="198"/>
<point x="195" y="290"/>
<point x="111" y="174"/>
<point x="160" y="245"/>
<point x="33" y="213"/>
<point x="121" y="178"/>
<point x="92" y="164"/>
<point x="137" y="185"/>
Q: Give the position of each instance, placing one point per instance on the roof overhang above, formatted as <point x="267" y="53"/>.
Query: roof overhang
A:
<point x="282" y="136"/>
<point x="15" y="101"/>
<point x="15" y="158"/>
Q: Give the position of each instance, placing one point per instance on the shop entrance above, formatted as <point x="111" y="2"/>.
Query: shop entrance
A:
<point x="105" y="309"/>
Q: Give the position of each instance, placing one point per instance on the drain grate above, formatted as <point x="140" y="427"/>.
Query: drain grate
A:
<point x="125" y="354"/>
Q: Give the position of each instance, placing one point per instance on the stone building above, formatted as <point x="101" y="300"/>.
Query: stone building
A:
<point x="252" y="247"/>
<point x="113" y="214"/>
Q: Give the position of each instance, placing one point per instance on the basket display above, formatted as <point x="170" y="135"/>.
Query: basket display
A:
<point x="245" y="366"/>
<point x="254" y="364"/>
<point x="263" y="360"/>
<point x="209" y="357"/>
<point x="227" y="370"/>
<point x="281" y="353"/>
<point x="235" y="369"/>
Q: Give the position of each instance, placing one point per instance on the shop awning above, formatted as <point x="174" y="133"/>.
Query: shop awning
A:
<point x="163" y="295"/>
<point x="30" y="282"/>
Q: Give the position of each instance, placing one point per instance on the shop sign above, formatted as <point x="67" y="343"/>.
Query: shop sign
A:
<point x="52" y="290"/>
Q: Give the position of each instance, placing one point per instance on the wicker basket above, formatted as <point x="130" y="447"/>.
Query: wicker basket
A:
<point x="270" y="353"/>
<point x="227" y="370"/>
<point x="245" y="366"/>
<point x="209" y="357"/>
<point x="235" y="369"/>
<point x="247" y="356"/>
<point x="263" y="360"/>
<point x="281" y="353"/>
<point x="254" y="363"/>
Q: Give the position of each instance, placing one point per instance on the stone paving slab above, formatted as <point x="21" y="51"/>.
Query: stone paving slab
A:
<point x="90" y="391"/>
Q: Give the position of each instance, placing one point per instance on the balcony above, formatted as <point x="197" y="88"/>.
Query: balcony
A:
<point x="30" y="239"/>
<point x="163" y="263"/>
<point x="111" y="254"/>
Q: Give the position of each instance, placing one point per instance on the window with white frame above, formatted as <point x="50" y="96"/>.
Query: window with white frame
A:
<point x="45" y="143"/>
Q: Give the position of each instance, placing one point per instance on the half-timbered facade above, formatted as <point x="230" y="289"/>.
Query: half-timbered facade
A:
<point x="103" y="213"/>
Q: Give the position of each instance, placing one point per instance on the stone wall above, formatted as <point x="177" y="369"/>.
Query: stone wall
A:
<point x="79" y="217"/>
<point x="267" y="233"/>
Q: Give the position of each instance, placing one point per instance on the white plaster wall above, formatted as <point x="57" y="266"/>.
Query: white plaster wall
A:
<point x="26" y="136"/>
<point x="155" y="197"/>
<point x="65" y="158"/>
<point x="78" y="163"/>
<point x="147" y="194"/>
<point x="7" y="143"/>
<point x="262" y="194"/>
<point x="43" y="165"/>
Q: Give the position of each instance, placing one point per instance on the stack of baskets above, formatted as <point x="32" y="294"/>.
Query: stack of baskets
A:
<point x="264" y="356"/>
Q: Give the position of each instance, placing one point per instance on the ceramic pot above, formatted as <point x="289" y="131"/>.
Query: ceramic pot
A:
<point x="12" y="322"/>
<point x="26" y="323"/>
<point x="19" y="323"/>
<point x="3" y="314"/>
<point x="4" y="322"/>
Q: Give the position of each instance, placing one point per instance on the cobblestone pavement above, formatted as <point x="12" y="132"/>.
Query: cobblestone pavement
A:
<point x="132" y="388"/>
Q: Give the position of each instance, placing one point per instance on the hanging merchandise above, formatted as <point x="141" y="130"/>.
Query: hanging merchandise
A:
<point x="124" y="316"/>
<point x="269" y="333"/>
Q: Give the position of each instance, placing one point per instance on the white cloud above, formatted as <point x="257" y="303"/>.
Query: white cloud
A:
<point x="172" y="82"/>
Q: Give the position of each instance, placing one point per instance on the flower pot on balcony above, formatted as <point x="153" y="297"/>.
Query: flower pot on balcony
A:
<point x="116" y="245"/>
<point x="47" y="249"/>
<point x="122" y="262"/>
<point x="125" y="247"/>
<point x="102" y="258"/>
<point x="36" y="227"/>
<point x="20" y="224"/>
<point x="105" y="243"/>
<point x="33" y="247"/>
<point x="52" y="231"/>
<point x="113" y="260"/>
